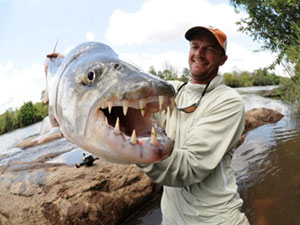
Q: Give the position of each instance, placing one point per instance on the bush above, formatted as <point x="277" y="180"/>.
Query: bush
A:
<point x="28" y="114"/>
<point x="8" y="121"/>
<point x="260" y="77"/>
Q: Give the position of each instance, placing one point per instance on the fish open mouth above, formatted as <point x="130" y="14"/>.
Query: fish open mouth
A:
<point x="129" y="128"/>
<point x="134" y="119"/>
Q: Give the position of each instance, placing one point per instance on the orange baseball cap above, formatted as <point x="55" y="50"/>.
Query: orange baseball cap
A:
<point x="218" y="34"/>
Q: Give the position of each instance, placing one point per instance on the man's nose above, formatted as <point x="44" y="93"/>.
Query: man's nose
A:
<point x="200" y="52"/>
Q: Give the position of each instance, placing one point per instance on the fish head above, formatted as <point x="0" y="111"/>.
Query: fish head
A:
<point x="105" y="105"/>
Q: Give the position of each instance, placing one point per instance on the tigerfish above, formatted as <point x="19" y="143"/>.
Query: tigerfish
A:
<point x="104" y="105"/>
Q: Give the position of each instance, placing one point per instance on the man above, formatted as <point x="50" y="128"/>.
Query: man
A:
<point x="199" y="184"/>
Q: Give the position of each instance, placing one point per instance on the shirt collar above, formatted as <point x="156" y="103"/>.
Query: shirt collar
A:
<point x="190" y="87"/>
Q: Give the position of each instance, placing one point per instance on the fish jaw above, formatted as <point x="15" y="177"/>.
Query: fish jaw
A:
<point x="142" y="141"/>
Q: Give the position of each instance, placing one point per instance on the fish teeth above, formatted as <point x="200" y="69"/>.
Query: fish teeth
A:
<point x="102" y="106"/>
<point x="117" y="127"/>
<point x="161" y="99"/>
<point x="143" y="103"/>
<point x="110" y="104"/>
<point x="153" y="139"/>
<point x="106" y="121"/>
<point x="133" y="139"/>
<point x="125" y="104"/>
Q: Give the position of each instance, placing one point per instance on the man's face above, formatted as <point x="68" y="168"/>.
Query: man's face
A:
<point x="205" y="57"/>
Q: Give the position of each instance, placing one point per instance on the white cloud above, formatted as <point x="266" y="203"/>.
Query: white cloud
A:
<point x="240" y="59"/>
<point x="160" y="21"/>
<point x="158" y="60"/>
<point x="90" y="36"/>
<point x="164" y="21"/>
<point x="19" y="86"/>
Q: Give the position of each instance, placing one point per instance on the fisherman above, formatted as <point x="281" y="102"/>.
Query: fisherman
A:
<point x="199" y="183"/>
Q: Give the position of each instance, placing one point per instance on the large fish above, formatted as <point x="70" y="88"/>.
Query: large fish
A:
<point x="105" y="105"/>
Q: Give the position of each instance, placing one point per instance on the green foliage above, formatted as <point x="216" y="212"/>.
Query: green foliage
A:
<point x="28" y="114"/>
<point x="260" y="77"/>
<point x="277" y="24"/>
<point x="186" y="74"/>
<point x="42" y="109"/>
<point x="8" y="121"/>
<point x="272" y="21"/>
<point x="170" y="73"/>
<point x="290" y="88"/>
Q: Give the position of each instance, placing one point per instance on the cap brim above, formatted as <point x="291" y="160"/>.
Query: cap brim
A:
<point x="190" y="33"/>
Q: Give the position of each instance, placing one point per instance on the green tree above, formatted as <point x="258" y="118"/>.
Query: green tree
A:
<point x="7" y="121"/>
<point x="42" y="109"/>
<point x="152" y="71"/>
<point x="27" y="115"/>
<point x="272" y="21"/>
<point x="186" y="74"/>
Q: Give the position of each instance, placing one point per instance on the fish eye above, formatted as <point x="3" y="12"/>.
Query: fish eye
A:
<point x="116" y="66"/>
<point x="91" y="75"/>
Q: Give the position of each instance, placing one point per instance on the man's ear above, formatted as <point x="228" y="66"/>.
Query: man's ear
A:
<point x="223" y="59"/>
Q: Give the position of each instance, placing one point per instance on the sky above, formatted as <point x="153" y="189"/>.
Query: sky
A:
<point x="143" y="32"/>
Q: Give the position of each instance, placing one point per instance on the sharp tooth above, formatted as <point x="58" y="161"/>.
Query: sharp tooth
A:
<point x="154" y="140"/>
<point x="143" y="104"/>
<point x="133" y="138"/>
<point x="161" y="101"/>
<point x="106" y="121"/>
<point x="125" y="106"/>
<point x="117" y="127"/>
<point x="110" y="104"/>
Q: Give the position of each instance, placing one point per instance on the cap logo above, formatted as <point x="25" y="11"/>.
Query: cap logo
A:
<point x="212" y="27"/>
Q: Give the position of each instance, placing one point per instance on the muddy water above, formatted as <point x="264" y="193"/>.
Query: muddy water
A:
<point x="267" y="168"/>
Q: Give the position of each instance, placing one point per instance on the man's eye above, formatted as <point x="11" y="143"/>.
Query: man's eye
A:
<point x="211" y="50"/>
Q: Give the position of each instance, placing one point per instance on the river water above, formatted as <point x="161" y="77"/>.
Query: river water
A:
<point x="267" y="165"/>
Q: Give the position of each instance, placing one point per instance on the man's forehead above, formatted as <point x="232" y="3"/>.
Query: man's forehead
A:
<point x="204" y="38"/>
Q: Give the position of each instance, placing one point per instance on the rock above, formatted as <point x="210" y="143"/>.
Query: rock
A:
<point x="274" y="93"/>
<point x="257" y="117"/>
<point x="105" y="193"/>
<point x="38" y="139"/>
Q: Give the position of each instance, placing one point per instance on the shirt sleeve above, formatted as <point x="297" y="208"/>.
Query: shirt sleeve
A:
<point x="208" y="140"/>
